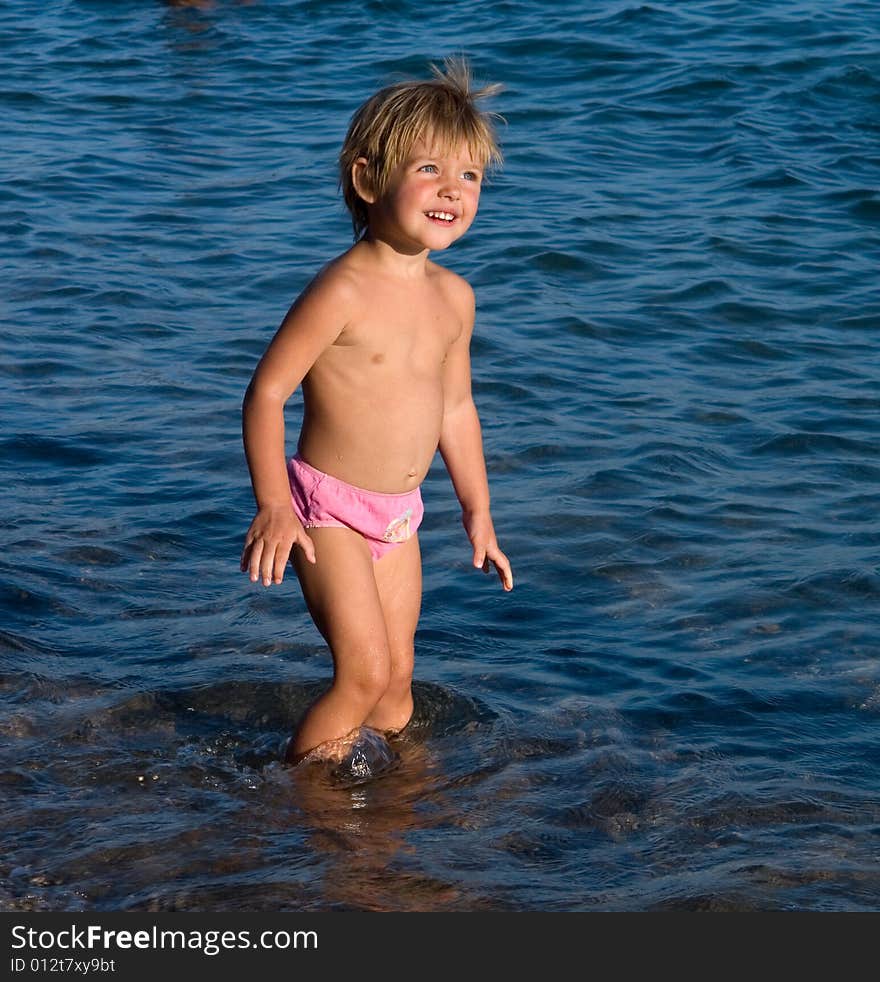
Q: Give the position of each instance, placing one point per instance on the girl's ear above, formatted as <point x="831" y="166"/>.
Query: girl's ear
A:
<point x="360" y="181"/>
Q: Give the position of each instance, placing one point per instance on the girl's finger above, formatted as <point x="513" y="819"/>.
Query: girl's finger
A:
<point x="307" y="546"/>
<point x="248" y="545"/>
<point x="506" y="578"/>
<point x="254" y="563"/>
<point x="268" y="565"/>
<point x="502" y="565"/>
<point x="280" y="563"/>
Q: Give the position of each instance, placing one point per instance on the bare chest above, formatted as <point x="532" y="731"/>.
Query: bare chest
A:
<point x="395" y="339"/>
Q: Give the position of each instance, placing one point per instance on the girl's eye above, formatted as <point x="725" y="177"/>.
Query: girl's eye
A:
<point x="432" y="167"/>
<point x="469" y="175"/>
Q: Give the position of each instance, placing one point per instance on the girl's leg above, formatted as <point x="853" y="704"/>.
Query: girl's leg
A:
<point x="399" y="581"/>
<point x="342" y="596"/>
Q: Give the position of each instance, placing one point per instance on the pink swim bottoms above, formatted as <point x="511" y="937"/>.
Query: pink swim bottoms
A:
<point x="323" y="501"/>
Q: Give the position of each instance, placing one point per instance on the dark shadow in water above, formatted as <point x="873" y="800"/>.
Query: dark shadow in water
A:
<point x="357" y="832"/>
<point x="279" y="706"/>
<point x="191" y="807"/>
<point x="362" y="838"/>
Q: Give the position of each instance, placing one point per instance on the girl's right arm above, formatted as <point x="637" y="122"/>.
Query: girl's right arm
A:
<point x="311" y="325"/>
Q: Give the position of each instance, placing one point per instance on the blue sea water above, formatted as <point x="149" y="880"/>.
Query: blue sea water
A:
<point x="676" y="366"/>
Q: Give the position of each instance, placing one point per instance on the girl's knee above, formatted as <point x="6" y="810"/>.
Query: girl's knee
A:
<point x="368" y="681"/>
<point x="401" y="668"/>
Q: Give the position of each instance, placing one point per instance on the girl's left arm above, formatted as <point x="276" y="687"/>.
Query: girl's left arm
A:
<point x="461" y="446"/>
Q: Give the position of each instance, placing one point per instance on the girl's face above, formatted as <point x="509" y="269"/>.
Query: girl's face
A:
<point x="431" y="199"/>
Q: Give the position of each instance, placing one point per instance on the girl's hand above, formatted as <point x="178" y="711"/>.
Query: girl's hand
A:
<point x="267" y="545"/>
<point x="481" y="532"/>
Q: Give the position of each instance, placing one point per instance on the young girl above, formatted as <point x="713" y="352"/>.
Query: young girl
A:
<point x="380" y="342"/>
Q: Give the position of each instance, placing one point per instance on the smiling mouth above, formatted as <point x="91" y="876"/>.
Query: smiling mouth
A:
<point x="441" y="217"/>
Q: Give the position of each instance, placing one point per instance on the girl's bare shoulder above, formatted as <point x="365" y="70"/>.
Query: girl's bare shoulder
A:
<point x="456" y="289"/>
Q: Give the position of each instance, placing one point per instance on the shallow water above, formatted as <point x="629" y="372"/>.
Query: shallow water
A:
<point x="675" y="361"/>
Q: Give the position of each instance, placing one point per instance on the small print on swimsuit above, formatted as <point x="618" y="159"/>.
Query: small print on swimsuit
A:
<point x="398" y="530"/>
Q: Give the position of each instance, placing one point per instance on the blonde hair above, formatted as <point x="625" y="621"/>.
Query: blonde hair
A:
<point x="388" y="125"/>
